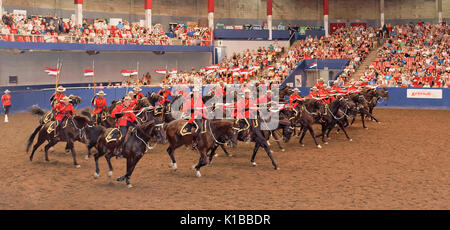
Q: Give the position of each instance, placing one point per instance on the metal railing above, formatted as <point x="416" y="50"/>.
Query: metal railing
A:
<point x="65" y="38"/>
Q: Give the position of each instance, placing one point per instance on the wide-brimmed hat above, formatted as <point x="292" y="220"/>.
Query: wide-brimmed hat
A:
<point x="127" y="98"/>
<point x="7" y="91"/>
<point x="137" y="89"/>
<point x="296" y="90"/>
<point x="60" y="89"/>
<point x="131" y="92"/>
<point x="101" y="93"/>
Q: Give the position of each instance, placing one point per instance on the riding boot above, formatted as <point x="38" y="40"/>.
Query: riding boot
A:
<point x="120" y="145"/>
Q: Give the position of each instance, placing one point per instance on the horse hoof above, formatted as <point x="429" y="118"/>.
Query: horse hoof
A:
<point x="325" y="143"/>
<point x="277" y="168"/>
<point x="216" y="155"/>
<point x="282" y="150"/>
<point x="366" y="127"/>
<point x="86" y="157"/>
<point x="253" y="164"/>
<point x="77" y="166"/>
<point x="350" y="139"/>
<point x="110" y="173"/>
<point x="319" y="146"/>
<point x="230" y="155"/>
<point x="96" y="175"/>
<point x="303" y="145"/>
<point x="174" y="166"/>
<point x="120" y="178"/>
<point x="170" y="165"/>
<point x="51" y="149"/>
<point x="129" y="186"/>
<point x="379" y="122"/>
<point x="198" y="174"/>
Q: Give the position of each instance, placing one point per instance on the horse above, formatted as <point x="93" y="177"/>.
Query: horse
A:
<point x="362" y="106"/>
<point x="135" y="146"/>
<point x="334" y="116"/>
<point x="215" y="130"/>
<point x="304" y="119"/>
<point x="73" y="128"/>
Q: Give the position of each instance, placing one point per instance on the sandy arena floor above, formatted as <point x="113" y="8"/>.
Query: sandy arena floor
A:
<point x="402" y="163"/>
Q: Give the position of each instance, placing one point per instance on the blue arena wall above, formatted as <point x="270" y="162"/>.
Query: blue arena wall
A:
<point x="250" y="34"/>
<point x="22" y="100"/>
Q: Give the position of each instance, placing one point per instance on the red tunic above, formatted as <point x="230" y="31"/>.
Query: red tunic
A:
<point x="99" y="103"/>
<point x="62" y="111"/>
<point x="6" y="99"/>
<point x="165" y="94"/>
<point x="294" y="97"/>
<point x="195" y="104"/>
<point x="58" y="97"/>
<point x="128" y="116"/>
<point x="246" y="108"/>
<point x="139" y="95"/>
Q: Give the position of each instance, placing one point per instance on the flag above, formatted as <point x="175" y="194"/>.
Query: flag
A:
<point x="223" y="69"/>
<point x="235" y="69"/>
<point x="50" y="71"/>
<point x="313" y="65"/>
<point x="213" y="67"/>
<point x="88" y="72"/>
<point x="270" y="67"/>
<point x="173" y="71"/>
<point x="162" y="71"/>
<point x="125" y="73"/>
<point x="255" y="67"/>
<point x="133" y="72"/>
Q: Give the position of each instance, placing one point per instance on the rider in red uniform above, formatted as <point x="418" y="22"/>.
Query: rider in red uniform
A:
<point x="165" y="93"/>
<point x="57" y="97"/>
<point x="123" y="112"/>
<point x="133" y="99"/>
<point x="196" y="110"/>
<point x="294" y="96"/>
<point x="138" y="95"/>
<point x="63" y="110"/>
<point x="99" y="102"/>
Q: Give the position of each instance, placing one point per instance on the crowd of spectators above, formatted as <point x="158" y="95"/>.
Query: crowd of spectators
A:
<point x="244" y="67"/>
<point x="56" y="29"/>
<point x="414" y="55"/>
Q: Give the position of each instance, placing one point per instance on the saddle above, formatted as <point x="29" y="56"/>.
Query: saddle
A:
<point x="48" y="117"/>
<point x="51" y="128"/>
<point x="104" y="115"/>
<point x="246" y="121"/>
<point x="187" y="128"/>
<point x="113" y="135"/>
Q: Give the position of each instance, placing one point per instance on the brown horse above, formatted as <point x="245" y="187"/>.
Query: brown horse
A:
<point x="73" y="128"/>
<point x="217" y="132"/>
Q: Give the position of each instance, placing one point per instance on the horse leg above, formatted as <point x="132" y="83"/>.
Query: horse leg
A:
<point x="47" y="147"/>
<point x="255" y="150"/>
<point x="90" y="146"/>
<point x="225" y="150"/>
<point x="311" y="131"/>
<point x="353" y="120"/>
<point x="345" y="132"/>
<point x="101" y="152"/>
<point x="269" y="153"/>
<point x="172" y="164"/>
<point x="324" y="128"/>
<point x="201" y="162"/>
<point x="301" y="138"/>
<point x="39" y="142"/>
<point x="362" y="119"/>
<point x="131" y="168"/>
<point x="278" y="142"/>
<point x="108" y="159"/>
<point x="372" y="117"/>
<point x="74" y="156"/>
<point x="213" y="152"/>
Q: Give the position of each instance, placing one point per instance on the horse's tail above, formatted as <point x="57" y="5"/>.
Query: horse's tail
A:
<point x="31" y="138"/>
<point x="37" y="111"/>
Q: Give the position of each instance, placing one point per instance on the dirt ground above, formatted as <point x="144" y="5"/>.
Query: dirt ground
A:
<point x="402" y="163"/>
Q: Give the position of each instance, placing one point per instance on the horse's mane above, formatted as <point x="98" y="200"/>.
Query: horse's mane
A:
<point x="86" y="112"/>
<point x="81" y="120"/>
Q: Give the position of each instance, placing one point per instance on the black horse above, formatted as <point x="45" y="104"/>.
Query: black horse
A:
<point x="72" y="129"/>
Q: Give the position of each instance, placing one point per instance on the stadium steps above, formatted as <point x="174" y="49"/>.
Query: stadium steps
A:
<point x="365" y="64"/>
